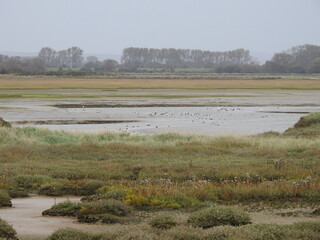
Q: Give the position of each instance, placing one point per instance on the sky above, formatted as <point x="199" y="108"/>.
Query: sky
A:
<point x="109" y="26"/>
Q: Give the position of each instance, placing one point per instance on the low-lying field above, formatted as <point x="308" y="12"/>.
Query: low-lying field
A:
<point x="164" y="82"/>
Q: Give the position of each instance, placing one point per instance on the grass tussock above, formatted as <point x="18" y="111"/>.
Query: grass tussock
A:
<point x="5" y="199"/>
<point x="108" y="211"/>
<point x="219" y="216"/>
<point x="163" y="221"/>
<point x="7" y="231"/>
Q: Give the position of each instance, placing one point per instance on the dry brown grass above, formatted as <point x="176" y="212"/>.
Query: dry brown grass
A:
<point x="94" y="83"/>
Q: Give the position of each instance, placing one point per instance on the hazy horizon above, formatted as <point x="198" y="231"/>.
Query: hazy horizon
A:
<point x="107" y="27"/>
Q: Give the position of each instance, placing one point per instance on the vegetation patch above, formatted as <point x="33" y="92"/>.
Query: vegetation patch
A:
<point x="5" y="199"/>
<point x="309" y="120"/>
<point x="72" y="234"/>
<point x="4" y="123"/>
<point x="163" y="221"/>
<point x="7" y="231"/>
<point x="217" y="216"/>
<point x="66" y="208"/>
<point x="65" y="187"/>
<point x="107" y="211"/>
<point x="297" y="231"/>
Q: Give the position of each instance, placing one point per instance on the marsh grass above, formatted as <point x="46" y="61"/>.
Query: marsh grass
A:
<point x="180" y="171"/>
<point x="7" y="232"/>
<point x="5" y="199"/>
<point x="298" y="231"/>
<point x="218" y="216"/>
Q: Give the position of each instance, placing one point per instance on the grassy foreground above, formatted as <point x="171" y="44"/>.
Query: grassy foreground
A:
<point x="123" y="175"/>
<point x="165" y="171"/>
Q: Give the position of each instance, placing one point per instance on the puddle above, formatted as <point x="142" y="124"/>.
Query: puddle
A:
<point x="26" y="218"/>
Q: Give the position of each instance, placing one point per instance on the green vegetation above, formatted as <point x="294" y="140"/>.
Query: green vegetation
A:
<point x="125" y="176"/>
<point x="5" y="199"/>
<point x="163" y="221"/>
<point x="4" y="123"/>
<point x="7" y="231"/>
<point x="217" y="216"/>
<point x="298" y="231"/>
<point x="66" y="208"/>
<point x="72" y="234"/>
<point x="107" y="211"/>
<point x="307" y="127"/>
<point x="164" y="171"/>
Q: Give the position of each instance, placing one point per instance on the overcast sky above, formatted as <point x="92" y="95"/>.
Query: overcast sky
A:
<point x="108" y="26"/>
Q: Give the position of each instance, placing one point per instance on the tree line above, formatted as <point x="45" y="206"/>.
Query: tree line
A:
<point x="71" y="57"/>
<point x="299" y="59"/>
<point x="182" y="58"/>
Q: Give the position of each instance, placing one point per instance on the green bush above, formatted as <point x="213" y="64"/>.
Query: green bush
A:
<point x="66" y="208"/>
<point x="111" y="219"/>
<point x="17" y="193"/>
<point x="217" y="216"/>
<point x="86" y="217"/>
<point x="5" y="199"/>
<point x="263" y="232"/>
<point x="64" y="188"/>
<point x="6" y="230"/>
<point x="31" y="181"/>
<point x="163" y="221"/>
<point x="115" y="194"/>
<point x="111" y="206"/>
<point x="4" y="123"/>
<point x="72" y="234"/>
<point x="306" y="121"/>
<point x="94" y="212"/>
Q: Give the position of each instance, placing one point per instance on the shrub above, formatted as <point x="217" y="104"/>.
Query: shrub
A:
<point x="94" y="212"/>
<point x="17" y="193"/>
<point x="111" y="206"/>
<point x="163" y="221"/>
<point x="6" y="230"/>
<point x="4" y="123"/>
<point x="66" y="208"/>
<point x="77" y="188"/>
<point x="58" y="189"/>
<point x="88" y="218"/>
<point x="5" y="199"/>
<point x="72" y="234"/>
<point x="312" y="226"/>
<point x="216" y="216"/>
<point x="31" y="181"/>
<point x="263" y="232"/>
<point x="308" y="120"/>
<point x="111" y="219"/>
<point x="115" y="194"/>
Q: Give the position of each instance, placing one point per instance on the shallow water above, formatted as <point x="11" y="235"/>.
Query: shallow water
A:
<point x="250" y="112"/>
<point x="211" y="121"/>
